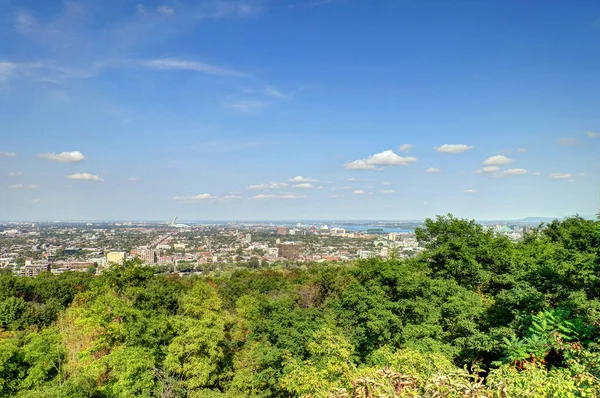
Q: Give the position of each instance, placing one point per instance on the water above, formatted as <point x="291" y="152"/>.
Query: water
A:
<point x="362" y="228"/>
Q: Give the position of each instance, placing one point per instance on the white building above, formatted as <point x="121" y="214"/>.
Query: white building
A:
<point x="365" y="254"/>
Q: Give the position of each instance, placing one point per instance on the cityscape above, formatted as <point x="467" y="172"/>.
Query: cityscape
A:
<point x="175" y="248"/>
<point x="299" y="199"/>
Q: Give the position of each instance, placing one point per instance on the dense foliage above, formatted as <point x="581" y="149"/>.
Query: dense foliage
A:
<point x="475" y="315"/>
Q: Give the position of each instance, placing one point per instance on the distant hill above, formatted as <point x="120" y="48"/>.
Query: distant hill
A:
<point x="538" y="220"/>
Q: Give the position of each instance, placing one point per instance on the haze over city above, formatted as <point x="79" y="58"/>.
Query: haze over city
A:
<point x="249" y="110"/>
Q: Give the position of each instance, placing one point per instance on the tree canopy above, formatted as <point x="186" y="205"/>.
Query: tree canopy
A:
<point x="473" y="315"/>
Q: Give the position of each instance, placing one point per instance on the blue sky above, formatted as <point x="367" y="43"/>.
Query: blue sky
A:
<point x="258" y="109"/>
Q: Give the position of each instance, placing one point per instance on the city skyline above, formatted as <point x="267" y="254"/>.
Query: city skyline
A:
<point x="250" y="110"/>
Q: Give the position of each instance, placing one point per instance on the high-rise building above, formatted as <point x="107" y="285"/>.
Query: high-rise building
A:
<point x="290" y="250"/>
<point x="248" y="238"/>
<point x="392" y="236"/>
<point x="115" y="257"/>
<point x="148" y="256"/>
<point x="282" y="230"/>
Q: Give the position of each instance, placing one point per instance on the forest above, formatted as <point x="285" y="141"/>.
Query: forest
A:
<point x="474" y="315"/>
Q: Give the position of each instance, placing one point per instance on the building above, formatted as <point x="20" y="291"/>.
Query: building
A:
<point x="282" y="231"/>
<point x="290" y="250"/>
<point x="148" y="256"/>
<point x="36" y="268"/>
<point x="115" y="257"/>
<point x="248" y="238"/>
<point x="365" y="254"/>
<point x="392" y="236"/>
<point x="80" y="266"/>
<point x="6" y="261"/>
<point x="409" y="242"/>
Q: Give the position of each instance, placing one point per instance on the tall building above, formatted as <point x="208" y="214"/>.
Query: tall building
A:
<point x="290" y="250"/>
<point x="148" y="256"/>
<point x="248" y="238"/>
<point x="34" y="269"/>
<point x="115" y="257"/>
<point x="282" y="230"/>
<point x="392" y="236"/>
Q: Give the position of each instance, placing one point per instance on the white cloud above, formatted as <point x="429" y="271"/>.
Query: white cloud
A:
<point x="470" y="191"/>
<point x="273" y="92"/>
<point x="7" y="71"/>
<point x="512" y="172"/>
<point x="271" y="185"/>
<point x="336" y="196"/>
<point x="166" y="11"/>
<point x="141" y="9"/>
<point x="561" y="176"/>
<point x="351" y="179"/>
<point x="304" y="185"/>
<point x="432" y="170"/>
<point x="65" y="157"/>
<point x="246" y="106"/>
<point x="191" y="199"/>
<point x="581" y="174"/>
<point x="15" y="174"/>
<point x="497" y="160"/>
<point x="301" y="179"/>
<point x="385" y="158"/>
<point x="537" y="173"/>
<point x="522" y="149"/>
<point x="232" y="197"/>
<point x="85" y="177"/>
<point x="386" y="183"/>
<point x="591" y="134"/>
<point x="23" y="21"/>
<point x="453" y="148"/>
<point x="488" y="169"/>
<point x="358" y="192"/>
<point x="387" y="191"/>
<point x="22" y="186"/>
<point x="405" y="148"/>
<point x="200" y="67"/>
<point x="568" y="141"/>
<point x="320" y="187"/>
<point x="8" y="154"/>
<point x="45" y="71"/>
<point x="36" y="200"/>
<point x="283" y="196"/>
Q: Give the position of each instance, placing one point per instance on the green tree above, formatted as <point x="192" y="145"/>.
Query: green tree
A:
<point x="197" y="353"/>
